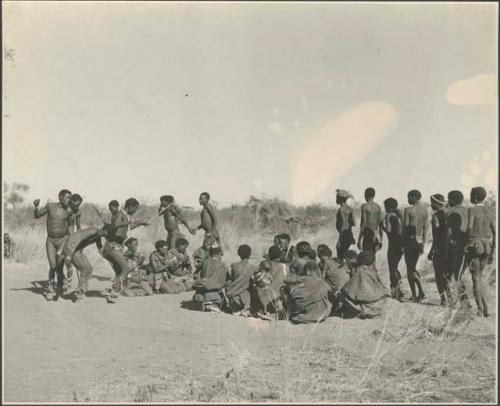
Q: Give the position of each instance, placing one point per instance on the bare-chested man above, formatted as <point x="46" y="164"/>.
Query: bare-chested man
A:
<point x="58" y="215"/>
<point x="370" y="224"/>
<point x="457" y="222"/>
<point x="121" y="222"/>
<point x="172" y="215"/>
<point x="208" y="216"/>
<point x="480" y="245"/>
<point x="344" y="224"/>
<point x="415" y="230"/>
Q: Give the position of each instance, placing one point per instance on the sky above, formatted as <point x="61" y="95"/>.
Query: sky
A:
<point x="288" y="100"/>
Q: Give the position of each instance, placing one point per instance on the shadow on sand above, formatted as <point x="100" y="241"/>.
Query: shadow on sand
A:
<point x="191" y="305"/>
<point x="42" y="288"/>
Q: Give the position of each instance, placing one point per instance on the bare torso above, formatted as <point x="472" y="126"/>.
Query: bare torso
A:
<point x="207" y="222"/>
<point x="371" y="215"/>
<point x="58" y="219"/>
<point x="345" y="218"/>
<point x="170" y="220"/>
<point x="415" y="221"/>
<point x="457" y="220"/>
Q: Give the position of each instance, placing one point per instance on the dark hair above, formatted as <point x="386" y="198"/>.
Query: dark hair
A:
<point x="455" y="196"/>
<point x="64" y="192"/>
<point x="130" y="241"/>
<point x="351" y="255"/>
<point x="205" y="194"/>
<point x="167" y="198"/>
<point x="415" y="193"/>
<point x="274" y="252"/>
<point x="304" y="249"/>
<point x="131" y="202"/>
<point x="160" y="244"/>
<point x="113" y="203"/>
<point x="366" y="257"/>
<point x="244" y="251"/>
<point x="265" y="265"/>
<point x="478" y="194"/>
<point x="325" y="252"/>
<point x="214" y="251"/>
<point x="283" y="236"/>
<point x="181" y="241"/>
<point x="390" y="204"/>
<point x="369" y="192"/>
<point x="76" y="197"/>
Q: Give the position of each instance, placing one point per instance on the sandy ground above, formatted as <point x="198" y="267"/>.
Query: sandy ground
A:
<point x="159" y="349"/>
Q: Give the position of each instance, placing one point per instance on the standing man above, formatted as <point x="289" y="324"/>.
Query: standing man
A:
<point x="209" y="222"/>
<point x="370" y="224"/>
<point x="480" y="246"/>
<point x="438" y="253"/>
<point x="58" y="215"/>
<point x="74" y="225"/>
<point x="415" y="234"/>
<point x="344" y="224"/>
<point x="393" y="227"/>
<point x="172" y="215"/>
<point x="113" y="249"/>
<point x="457" y="222"/>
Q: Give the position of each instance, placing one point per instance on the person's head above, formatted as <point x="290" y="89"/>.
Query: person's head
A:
<point x="208" y="242"/>
<point x="244" y="251"/>
<point x="437" y="201"/>
<point x="477" y="194"/>
<point x="215" y="252"/>
<point x="369" y="194"/>
<point x="204" y="198"/>
<point x="181" y="245"/>
<point x="325" y="253"/>
<point x="274" y="253"/>
<point x="265" y="266"/>
<point x="64" y="197"/>
<point x="414" y="196"/>
<point x="161" y="246"/>
<point x="132" y="244"/>
<point x="165" y="200"/>
<point x="114" y="206"/>
<point x="366" y="258"/>
<point x="75" y="202"/>
<point x="131" y="205"/>
<point x="390" y="204"/>
<point x="455" y="198"/>
<point x="283" y="240"/>
<point x="304" y="249"/>
<point x="320" y="248"/>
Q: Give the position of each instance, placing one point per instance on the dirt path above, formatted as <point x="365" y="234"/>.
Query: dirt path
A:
<point x="157" y="349"/>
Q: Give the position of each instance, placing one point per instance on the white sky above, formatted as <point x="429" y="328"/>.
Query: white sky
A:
<point x="113" y="100"/>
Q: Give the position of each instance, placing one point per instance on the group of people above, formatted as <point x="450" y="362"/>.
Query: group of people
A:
<point x="292" y="282"/>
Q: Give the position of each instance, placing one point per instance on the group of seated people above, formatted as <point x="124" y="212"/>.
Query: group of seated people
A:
<point x="292" y="283"/>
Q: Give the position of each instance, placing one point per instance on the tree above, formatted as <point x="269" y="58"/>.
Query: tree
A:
<point x="15" y="194"/>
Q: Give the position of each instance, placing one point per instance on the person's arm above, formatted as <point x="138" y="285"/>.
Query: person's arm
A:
<point x="352" y="219"/>
<point x="40" y="211"/>
<point x="470" y="223"/>
<point x="78" y="221"/>
<point x="435" y="226"/>
<point x="156" y="263"/>
<point x="425" y="230"/>
<point x="179" y="215"/>
<point x="380" y="225"/>
<point x="493" y="232"/>
<point x="361" y="225"/>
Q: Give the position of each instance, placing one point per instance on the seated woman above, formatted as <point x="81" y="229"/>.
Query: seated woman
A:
<point x="336" y="273"/>
<point x="305" y="254"/>
<point x="307" y="296"/>
<point x="179" y="265"/>
<point x="212" y="279"/>
<point x="364" y="295"/>
<point x="268" y="282"/>
<point x="139" y="282"/>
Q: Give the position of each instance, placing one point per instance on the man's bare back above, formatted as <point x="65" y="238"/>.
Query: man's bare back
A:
<point x="415" y="222"/>
<point x="345" y="218"/>
<point x="371" y="216"/>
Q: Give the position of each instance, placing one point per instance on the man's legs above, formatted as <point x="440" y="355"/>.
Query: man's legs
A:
<point x="393" y="259"/>
<point x="119" y="263"/>
<point x="52" y="257"/>
<point x="411" y="258"/>
<point x="439" y="271"/>
<point x="82" y="264"/>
